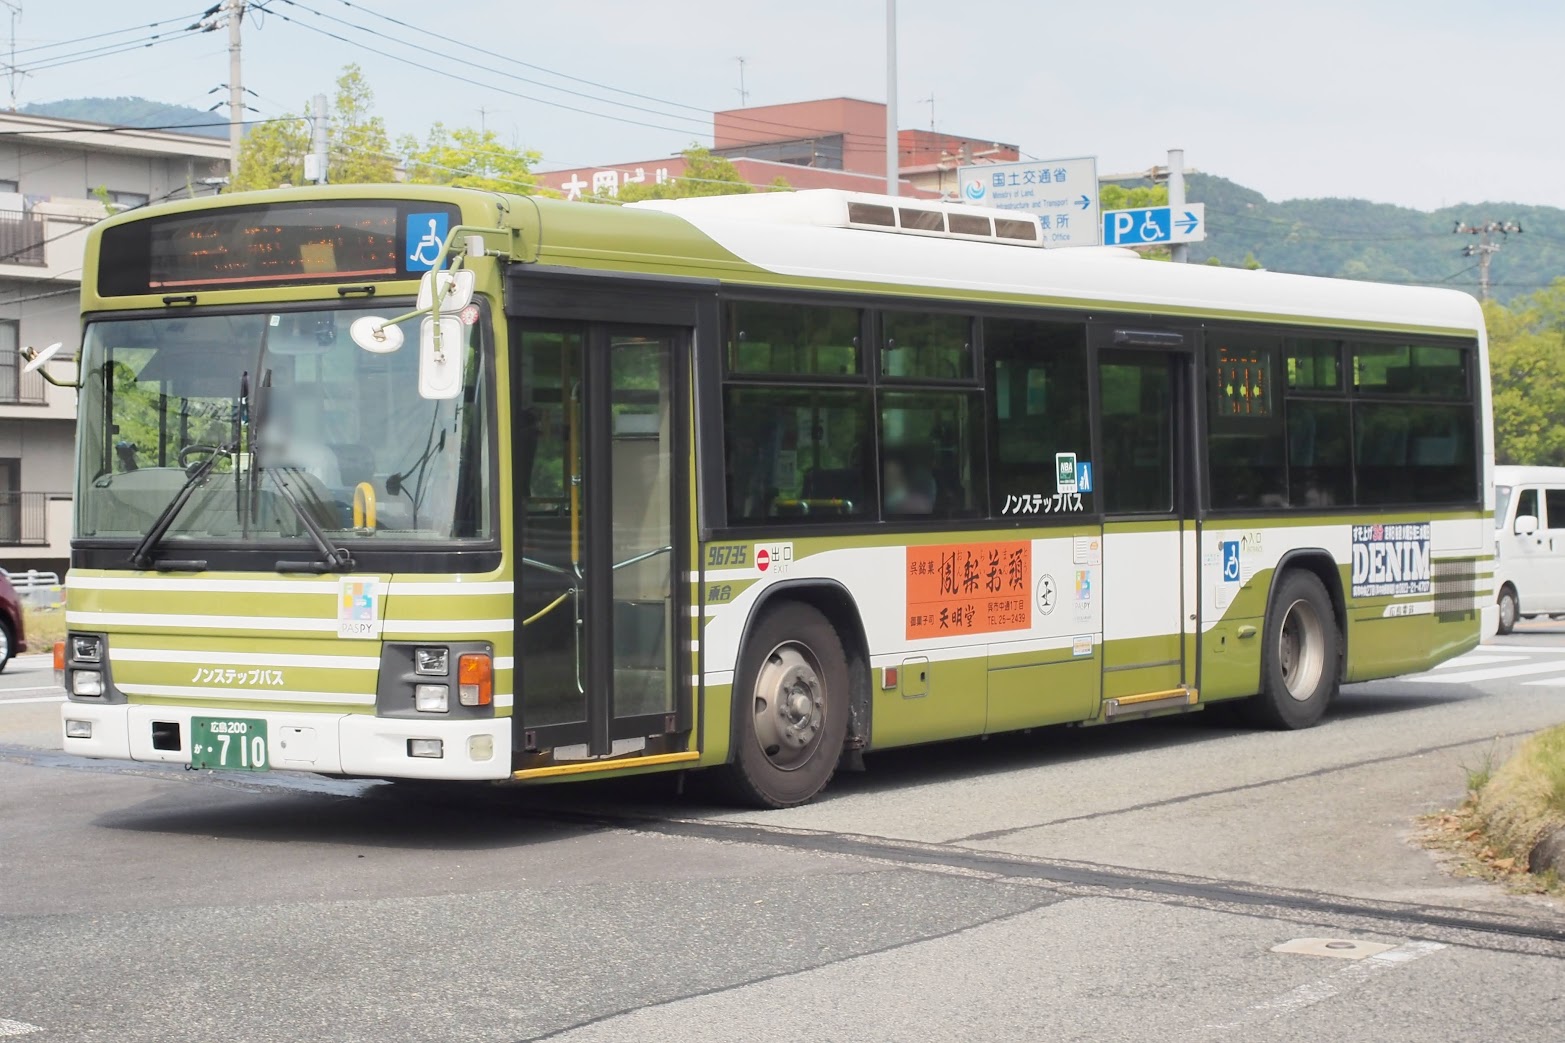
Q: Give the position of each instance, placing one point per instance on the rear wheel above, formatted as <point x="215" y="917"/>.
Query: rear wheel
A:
<point x="7" y="644"/>
<point x="790" y="709"/>
<point x="1510" y="611"/>
<point x="1300" y="657"/>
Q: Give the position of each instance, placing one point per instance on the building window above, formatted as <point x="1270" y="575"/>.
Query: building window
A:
<point x="119" y="200"/>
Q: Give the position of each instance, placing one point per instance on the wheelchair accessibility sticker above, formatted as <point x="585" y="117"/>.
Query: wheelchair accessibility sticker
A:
<point x="426" y="234"/>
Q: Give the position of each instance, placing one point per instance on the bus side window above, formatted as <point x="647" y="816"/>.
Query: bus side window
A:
<point x="1037" y="405"/>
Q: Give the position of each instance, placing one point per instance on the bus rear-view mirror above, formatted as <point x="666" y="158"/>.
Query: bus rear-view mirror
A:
<point x="455" y="287"/>
<point x="440" y="362"/>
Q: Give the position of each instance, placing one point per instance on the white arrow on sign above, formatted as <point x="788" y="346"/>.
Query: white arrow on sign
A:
<point x="1154" y="225"/>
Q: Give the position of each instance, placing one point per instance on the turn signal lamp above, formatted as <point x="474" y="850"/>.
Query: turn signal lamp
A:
<point x="475" y="679"/>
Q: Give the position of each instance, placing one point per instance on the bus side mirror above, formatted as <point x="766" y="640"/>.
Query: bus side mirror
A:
<point x="455" y="287"/>
<point x="1526" y="525"/>
<point x="440" y="357"/>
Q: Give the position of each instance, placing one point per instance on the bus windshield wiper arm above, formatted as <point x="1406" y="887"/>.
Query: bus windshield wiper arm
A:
<point x="141" y="557"/>
<point x="333" y="558"/>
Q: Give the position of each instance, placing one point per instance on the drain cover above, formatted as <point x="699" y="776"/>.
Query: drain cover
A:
<point x="1341" y="948"/>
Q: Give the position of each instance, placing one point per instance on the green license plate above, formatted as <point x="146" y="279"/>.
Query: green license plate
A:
<point x="228" y="743"/>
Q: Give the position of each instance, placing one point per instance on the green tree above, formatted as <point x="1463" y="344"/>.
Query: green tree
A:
<point x="272" y="154"/>
<point x="468" y="158"/>
<point x="360" y="147"/>
<point x="1527" y="371"/>
<point x="1131" y="197"/>
<point x="704" y="175"/>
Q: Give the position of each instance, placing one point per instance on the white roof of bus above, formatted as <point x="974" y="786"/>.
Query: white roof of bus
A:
<point x="786" y="233"/>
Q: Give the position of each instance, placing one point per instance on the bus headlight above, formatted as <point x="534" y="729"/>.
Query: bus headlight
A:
<point x="86" y="648"/>
<point x="87" y="682"/>
<point x="433" y="662"/>
<point x="432" y="698"/>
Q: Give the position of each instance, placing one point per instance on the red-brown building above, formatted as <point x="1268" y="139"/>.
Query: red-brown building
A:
<point x="830" y="143"/>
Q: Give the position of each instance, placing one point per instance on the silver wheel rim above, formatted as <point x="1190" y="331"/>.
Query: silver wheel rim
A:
<point x="790" y="706"/>
<point x="1301" y="649"/>
<point x="5" y="644"/>
<point x="1507" y="610"/>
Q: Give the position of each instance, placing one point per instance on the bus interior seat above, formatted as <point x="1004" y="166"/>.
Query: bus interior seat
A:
<point x="845" y="484"/>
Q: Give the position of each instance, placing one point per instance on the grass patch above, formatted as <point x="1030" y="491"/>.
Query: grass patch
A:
<point x="44" y="627"/>
<point x="1510" y="809"/>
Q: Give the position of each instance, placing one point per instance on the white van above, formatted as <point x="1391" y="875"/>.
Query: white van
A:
<point x="1529" y="543"/>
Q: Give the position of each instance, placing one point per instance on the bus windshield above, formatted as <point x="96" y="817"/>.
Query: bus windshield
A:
<point x="281" y="397"/>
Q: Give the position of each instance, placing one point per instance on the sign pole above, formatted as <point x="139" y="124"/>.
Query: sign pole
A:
<point x="893" y="159"/>
<point x="1179" y="253"/>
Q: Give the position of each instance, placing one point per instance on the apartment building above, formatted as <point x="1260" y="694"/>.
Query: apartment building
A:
<point x="57" y="177"/>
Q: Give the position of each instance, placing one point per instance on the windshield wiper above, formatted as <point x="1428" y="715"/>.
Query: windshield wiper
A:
<point x="333" y="558"/>
<point x="141" y="557"/>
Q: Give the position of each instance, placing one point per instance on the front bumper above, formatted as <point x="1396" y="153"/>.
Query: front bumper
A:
<point x="332" y="744"/>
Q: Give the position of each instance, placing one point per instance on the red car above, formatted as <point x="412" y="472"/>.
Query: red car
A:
<point x="13" y="634"/>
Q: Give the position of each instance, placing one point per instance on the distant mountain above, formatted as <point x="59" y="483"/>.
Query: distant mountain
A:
<point x="132" y="112"/>
<point x="1356" y="239"/>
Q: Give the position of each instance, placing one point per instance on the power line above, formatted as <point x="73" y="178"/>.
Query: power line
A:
<point x="754" y="121"/>
<point x="111" y="32"/>
<point x="57" y="61"/>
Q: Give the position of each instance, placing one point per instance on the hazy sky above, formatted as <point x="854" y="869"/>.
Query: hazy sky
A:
<point x="1419" y="102"/>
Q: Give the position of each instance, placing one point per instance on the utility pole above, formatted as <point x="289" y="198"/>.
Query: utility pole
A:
<point x="16" y="13"/>
<point x="236" y="92"/>
<point x="893" y="159"/>
<point x="318" y="129"/>
<point x="1486" y="246"/>
<point x="1177" y="252"/>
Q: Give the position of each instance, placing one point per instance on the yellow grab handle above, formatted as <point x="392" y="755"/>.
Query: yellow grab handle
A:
<point x="363" y="506"/>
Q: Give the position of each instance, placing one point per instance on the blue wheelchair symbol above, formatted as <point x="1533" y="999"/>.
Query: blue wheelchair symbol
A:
<point x="1230" y="561"/>
<point x="426" y="234"/>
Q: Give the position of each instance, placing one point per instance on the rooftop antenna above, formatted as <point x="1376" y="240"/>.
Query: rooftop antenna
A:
<point x="744" y="95"/>
<point x="930" y="101"/>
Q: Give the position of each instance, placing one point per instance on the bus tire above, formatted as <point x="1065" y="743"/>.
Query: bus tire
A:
<point x="1301" y="656"/>
<point x="791" y="696"/>
<point x="1510" y="609"/>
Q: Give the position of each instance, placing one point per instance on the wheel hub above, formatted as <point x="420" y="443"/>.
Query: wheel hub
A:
<point x="790" y="706"/>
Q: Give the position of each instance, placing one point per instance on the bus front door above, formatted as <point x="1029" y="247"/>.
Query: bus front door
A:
<point x="1144" y="480"/>
<point x="598" y="437"/>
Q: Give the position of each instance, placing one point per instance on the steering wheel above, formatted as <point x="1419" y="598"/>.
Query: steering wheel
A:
<point x="195" y="450"/>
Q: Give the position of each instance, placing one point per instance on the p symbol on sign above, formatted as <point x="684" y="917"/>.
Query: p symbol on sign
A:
<point x="1124" y="221"/>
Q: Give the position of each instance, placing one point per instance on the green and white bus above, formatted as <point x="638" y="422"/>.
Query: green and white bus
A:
<point x="748" y="484"/>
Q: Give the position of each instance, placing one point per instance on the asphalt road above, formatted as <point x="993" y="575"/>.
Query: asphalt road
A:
<point x="1102" y="884"/>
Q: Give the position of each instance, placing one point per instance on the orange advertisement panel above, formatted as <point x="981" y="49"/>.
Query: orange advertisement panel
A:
<point x="968" y="588"/>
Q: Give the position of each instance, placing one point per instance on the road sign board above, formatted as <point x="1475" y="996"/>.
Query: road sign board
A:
<point x="1154" y="224"/>
<point x="1062" y="192"/>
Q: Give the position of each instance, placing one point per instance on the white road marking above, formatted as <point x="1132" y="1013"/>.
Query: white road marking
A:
<point x="1480" y="660"/>
<point x="1493" y="673"/>
<point x="16" y="1028"/>
<point x="1311" y="993"/>
<point x="34" y="699"/>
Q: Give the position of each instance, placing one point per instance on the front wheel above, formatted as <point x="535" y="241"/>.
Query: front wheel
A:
<point x="1510" y="611"/>
<point x="1300" y="658"/>
<point x="790" y="709"/>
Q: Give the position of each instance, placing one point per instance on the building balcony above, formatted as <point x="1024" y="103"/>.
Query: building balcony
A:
<point x="24" y="519"/>
<point x="16" y="387"/>
<point x="22" y="237"/>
